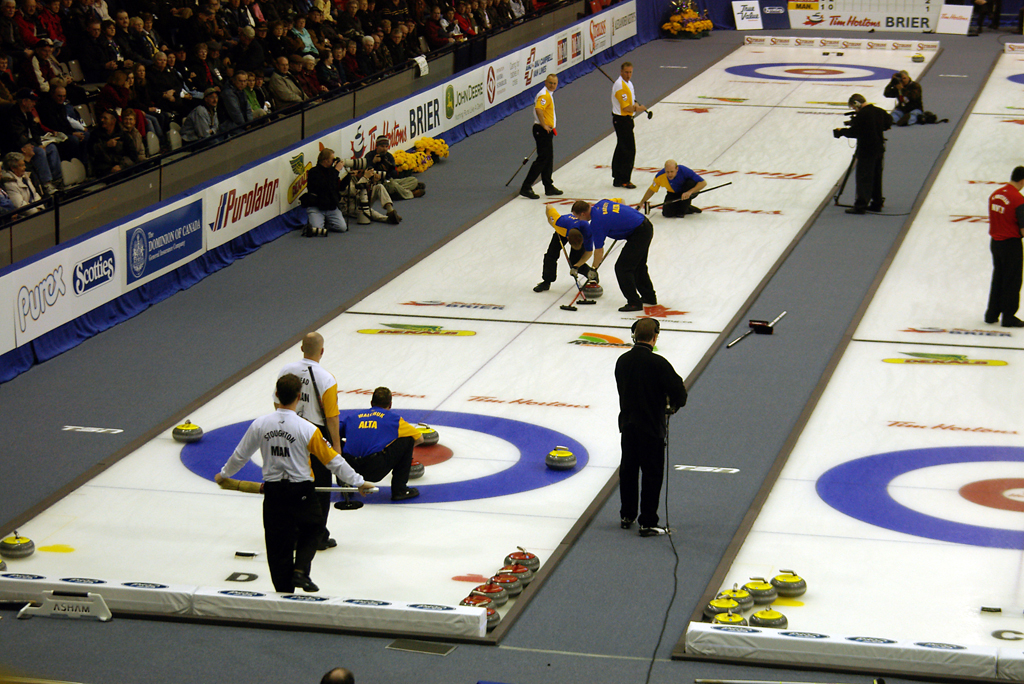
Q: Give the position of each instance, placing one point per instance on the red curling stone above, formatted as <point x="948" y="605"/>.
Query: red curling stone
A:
<point x="511" y="584"/>
<point x="495" y="592"/>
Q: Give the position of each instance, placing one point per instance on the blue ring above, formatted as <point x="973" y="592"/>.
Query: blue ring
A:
<point x="752" y="71"/>
<point x="207" y="456"/>
<point x="860" y="489"/>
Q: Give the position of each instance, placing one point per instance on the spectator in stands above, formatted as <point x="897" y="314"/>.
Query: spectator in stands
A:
<point x="299" y="31"/>
<point x="277" y="45"/>
<point x="152" y="34"/>
<point x="233" y="16"/>
<point x="58" y="116"/>
<point x="101" y="8"/>
<point x="436" y="32"/>
<point x="264" y="11"/>
<point x="247" y="54"/>
<point x="366" y="16"/>
<point x="308" y="80"/>
<point x="10" y="35"/>
<point x="113" y="95"/>
<point x="338" y="675"/>
<point x="201" y="28"/>
<point x="21" y="128"/>
<point x="140" y="42"/>
<point x="20" y="187"/>
<point x="327" y="71"/>
<point x="131" y="131"/>
<point x="368" y="64"/>
<point x="49" y="19"/>
<point x="141" y="99"/>
<point x="112" y="47"/>
<point x="165" y="87"/>
<point x="349" y="25"/>
<point x="462" y="19"/>
<point x="177" y="62"/>
<point x="123" y="36"/>
<point x="41" y="67"/>
<point x="283" y="87"/>
<point x="260" y="92"/>
<point x="202" y="122"/>
<point x="203" y="76"/>
<point x="395" y="10"/>
<point x="482" y="14"/>
<point x="7" y="79"/>
<point x="27" y="21"/>
<point x="236" y="107"/>
<point x="396" y="47"/>
<point x="380" y="54"/>
<point x="111" y="151"/>
<point x="350" y="63"/>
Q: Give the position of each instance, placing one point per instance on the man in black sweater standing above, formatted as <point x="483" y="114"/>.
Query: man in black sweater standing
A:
<point x="868" y="126"/>
<point x="650" y="390"/>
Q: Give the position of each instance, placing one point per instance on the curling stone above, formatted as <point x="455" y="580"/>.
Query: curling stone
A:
<point x="495" y="592"/>
<point x="476" y="602"/>
<point x="729" y="618"/>
<point x="917" y="58"/>
<point x="518" y="570"/>
<point x="429" y="434"/>
<point x="720" y="605"/>
<point x="523" y="557"/>
<point x="789" y="584"/>
<point x="416" y="471"/>
<point x="759" y="590"/>
<point x="187" y="432"/>
<point x="3" y="566"/>
<point x="492" y="618"/>
<point x="592" y="290"/>
<point x="560" y="458"/>
<point x="510" y="583"/>
<point x="17" y="546"/>
<point x="740" y="596"/>
<point x="769" y="618"/>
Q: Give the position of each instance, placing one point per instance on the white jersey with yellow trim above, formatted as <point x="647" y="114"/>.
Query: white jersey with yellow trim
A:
<point x="544" y="102"/>
<point x="623" y="96"/>
<point x="286" y="443"/>
<point x="308" y="406"/>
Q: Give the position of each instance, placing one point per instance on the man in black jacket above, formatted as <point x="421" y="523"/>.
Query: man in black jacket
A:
<point x="324" y="193"/>
<point x="649" y="391"/>
<point x="867" y="125"/>
<point x="909" y="99"/>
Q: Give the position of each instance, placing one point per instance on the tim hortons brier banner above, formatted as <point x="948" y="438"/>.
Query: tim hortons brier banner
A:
<point x="920" y="16"/>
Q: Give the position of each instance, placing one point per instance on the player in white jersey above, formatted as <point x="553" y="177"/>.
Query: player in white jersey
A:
<point x="292" y="520"/>
<point x="624" y="106"/>
<point x="318" y="404"/>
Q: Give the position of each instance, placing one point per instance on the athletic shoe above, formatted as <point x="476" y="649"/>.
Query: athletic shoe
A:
<point x="625" y="523"/>
<point x="652" y="302"/>
<point x="654" y="531"/>
<point x="1013" y="323"/>
<point x="991" y="319"/>
<point x="542" y="286"/>
<point x="528" y="193"/>
<point x="326" y="543"/>
<point x="552" y="191"/>
<point x="856" y="210"/>
<point x="421" y="186"/>
<point x="408" y="493"/>
<point x="302" y="581"/>
<point x="419" y="192"/>
<point x="693" y="210"/>
<point x="875" y="208"/>
<point x="393" y="218"/>
<point x="627" y="185"/>
<point x="631" y="307"/>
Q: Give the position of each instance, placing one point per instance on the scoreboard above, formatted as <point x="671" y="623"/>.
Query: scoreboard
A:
<point x="865" y="15"/>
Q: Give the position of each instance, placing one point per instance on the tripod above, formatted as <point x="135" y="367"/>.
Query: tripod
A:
<point x="846" y="177"/>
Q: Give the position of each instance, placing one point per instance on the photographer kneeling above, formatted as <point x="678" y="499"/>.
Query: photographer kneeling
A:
<point x="909" y="99"/>
<point x="323" y="194"/>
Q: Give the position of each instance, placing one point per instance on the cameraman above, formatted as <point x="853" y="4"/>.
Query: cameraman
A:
<point x="323" y="193"/>
<point x="867" y="125"/>
<point x="909" y="99"/>
<point x="383" y="163"/>
<point x="361" y="190"/>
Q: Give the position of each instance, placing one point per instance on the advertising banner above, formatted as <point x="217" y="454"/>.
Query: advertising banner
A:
<point x="64" y="285"/>
<point x="623" y="21"/>
<point x="916" y="19"/>
<point x="161" y="240"/>
<point x="747" y="14"/>
<point x="237" y="205"/>
<point x="504" y="78"/>
<point x="464" y="97"/>
<point x="7" y="339"/>
<point x="955" y="19"/>
<point x="774" y="14"/>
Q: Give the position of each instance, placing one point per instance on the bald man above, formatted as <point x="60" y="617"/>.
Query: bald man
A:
<point x="318" y="404"/>
<point x="338" y="675"/>
<point x="680" y="184"/>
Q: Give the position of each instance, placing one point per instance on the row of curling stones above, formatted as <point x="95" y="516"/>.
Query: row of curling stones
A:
<point x="430" y="438"/>
<point x="727" y="606"/>
<point x="16" y="546"/>
<point x="507" y="583"/>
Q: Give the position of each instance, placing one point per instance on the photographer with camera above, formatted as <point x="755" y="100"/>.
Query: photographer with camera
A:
<point x="867" y="125"/>
<point x="383" y="162"/>
<point x="909" y="99"/>
<point x="361" y="189"/>
<point x="323" y="194"/>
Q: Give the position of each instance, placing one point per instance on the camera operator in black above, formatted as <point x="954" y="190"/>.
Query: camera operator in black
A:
<point x="909" y="99"/>
<point x="649" y="390"/>
<point x="867" y="125"/>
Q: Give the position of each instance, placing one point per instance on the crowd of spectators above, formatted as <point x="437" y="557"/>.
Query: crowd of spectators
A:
<point x="164" y="66"/>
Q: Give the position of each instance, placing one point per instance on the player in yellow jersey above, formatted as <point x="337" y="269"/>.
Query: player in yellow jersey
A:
<point x="544" y="123"/>
<point x="624" y="106"/>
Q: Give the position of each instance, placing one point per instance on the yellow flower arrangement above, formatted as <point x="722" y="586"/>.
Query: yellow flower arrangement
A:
<point x="434" y="146"/>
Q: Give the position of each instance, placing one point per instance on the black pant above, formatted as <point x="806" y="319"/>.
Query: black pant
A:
<point x="631" y="266"/>
<point x="322" y="478"/>
<point x="544" y="162"/>
<point x="554" y="254"/>
<point x="869" y="178"/>
<point x="625" y="149"/>
<point x="395" y="458"/>
<point x="642" y="452"/>
<point x="292" y="525"/>
<point x="674" y="205"/>
<point x="1004" y="296"/>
